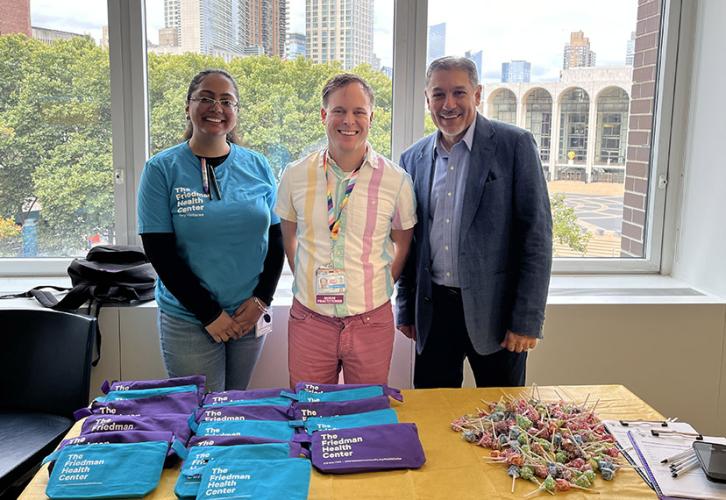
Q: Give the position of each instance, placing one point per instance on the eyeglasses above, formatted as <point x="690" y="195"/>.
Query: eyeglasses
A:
<point x="209" y="102"/>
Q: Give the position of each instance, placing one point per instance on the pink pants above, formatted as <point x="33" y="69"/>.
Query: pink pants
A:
<point x="319" y="346"/>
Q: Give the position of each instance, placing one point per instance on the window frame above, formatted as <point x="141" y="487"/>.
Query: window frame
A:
<point x="130" y="126"/>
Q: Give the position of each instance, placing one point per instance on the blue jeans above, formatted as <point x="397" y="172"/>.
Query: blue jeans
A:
<point x="188" y="349"/>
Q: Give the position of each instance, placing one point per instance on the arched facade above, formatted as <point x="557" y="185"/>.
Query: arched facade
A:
<point x="503" y="106"/>
<point x="538" y="120"/>
<point x="574" y="114"/>
<point x="588" y="114"/>
<point x="612" y="126"/>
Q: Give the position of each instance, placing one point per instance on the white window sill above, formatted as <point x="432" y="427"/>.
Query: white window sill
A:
<point x="564" y="290"/>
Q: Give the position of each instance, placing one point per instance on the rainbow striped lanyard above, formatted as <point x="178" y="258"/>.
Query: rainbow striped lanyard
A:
<point x="333" y="219"/>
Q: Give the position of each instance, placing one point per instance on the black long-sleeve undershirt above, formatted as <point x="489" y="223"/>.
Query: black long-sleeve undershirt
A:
<point x="181" y="281"/>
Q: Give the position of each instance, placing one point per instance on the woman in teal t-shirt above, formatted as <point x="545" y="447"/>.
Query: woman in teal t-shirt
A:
<point x="205" y="218"/>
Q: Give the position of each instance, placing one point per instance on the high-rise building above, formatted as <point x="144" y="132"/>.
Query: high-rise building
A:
<point x="478" y="59"/>
<point x="295" y="46"/>
<point x="339" y="30"/>
<point x="630" y="50"/>
<point x="172" y="19"/>
<point x="577" y="53"/>
<point x="516" y="72"/>
<point x="267" y="25"/>
<point x="437" y="42"/>
<point x="15" y="17"/>
<point x="227" y="28"/>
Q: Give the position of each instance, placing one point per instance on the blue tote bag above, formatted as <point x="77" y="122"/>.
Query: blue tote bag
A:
<point x="117" y="470"/>
<point x="225" y="478"/>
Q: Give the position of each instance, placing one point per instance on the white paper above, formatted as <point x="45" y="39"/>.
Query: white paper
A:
<point x="691" y="484"/>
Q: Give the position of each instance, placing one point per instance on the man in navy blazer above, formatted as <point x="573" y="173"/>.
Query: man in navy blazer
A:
<point x="476" y="280"/>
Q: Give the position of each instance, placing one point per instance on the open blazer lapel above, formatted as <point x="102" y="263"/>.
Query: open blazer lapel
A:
<point x="481" y="161"/>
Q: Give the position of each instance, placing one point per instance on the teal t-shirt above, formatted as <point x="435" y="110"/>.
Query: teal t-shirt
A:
<point x="224" y="242"/>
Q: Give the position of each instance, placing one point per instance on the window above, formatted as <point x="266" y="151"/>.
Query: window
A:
<point x="570" y="75"/>
<point x="56" y="180"/>
<point x="279" y="111"/>
<point x="503" y="106"/>
<point x="59" y="192"/>
<point x="574" y="109"/>
<point x="538" y="120"/>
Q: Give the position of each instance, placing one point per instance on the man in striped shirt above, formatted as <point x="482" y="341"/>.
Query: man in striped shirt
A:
<point x="347" y="221"/>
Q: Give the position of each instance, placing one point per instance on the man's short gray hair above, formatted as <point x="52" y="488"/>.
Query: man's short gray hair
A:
<point x="448" y="63"/>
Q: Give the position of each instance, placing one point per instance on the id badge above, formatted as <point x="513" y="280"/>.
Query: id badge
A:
<point x="264" y="324"/>
<point x="329" y="286"/>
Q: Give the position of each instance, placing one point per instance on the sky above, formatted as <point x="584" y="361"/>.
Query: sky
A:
<point x="533" y="30"/>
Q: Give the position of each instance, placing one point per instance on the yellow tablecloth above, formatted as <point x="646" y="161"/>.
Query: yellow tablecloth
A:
<point x="454" y="469"/>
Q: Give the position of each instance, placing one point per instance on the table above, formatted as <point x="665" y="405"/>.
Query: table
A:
<point x="454" y="469"/>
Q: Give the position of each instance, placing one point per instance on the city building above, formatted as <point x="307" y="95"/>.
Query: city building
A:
<point x="169" y="37"/>
<point x="388" y="71"/>
<point x="478" y="59"/>
<point x="226" y="28"/>
<point x="295" y="46"/>
<point x="339" y="30"/>
<point x="172" y="23"/>
<point x="577" y="53"/>
<point x="48" y="36"/>
<point x="516" y="72"/>
<point x="376" y="62"/>
<point x="437" y="42"/>
<point x="267" y="25"/>
<point x="630" y="50"/>
<point x="15" y="18"/>
<point x="580" y="123"/>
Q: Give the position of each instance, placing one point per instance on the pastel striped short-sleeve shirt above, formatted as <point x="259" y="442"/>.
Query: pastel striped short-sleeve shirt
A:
<point x="382" y="200"/>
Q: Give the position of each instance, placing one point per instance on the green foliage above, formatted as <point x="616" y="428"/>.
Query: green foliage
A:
<point x="565" y="228"/>
<point x="57" y="111"/>
<point x="55" y="129"/>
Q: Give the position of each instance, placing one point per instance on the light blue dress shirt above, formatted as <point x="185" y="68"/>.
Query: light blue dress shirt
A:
<point x="447" y="199"/>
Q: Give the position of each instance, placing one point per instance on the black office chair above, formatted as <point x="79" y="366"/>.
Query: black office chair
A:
<point x="45" y="373"/>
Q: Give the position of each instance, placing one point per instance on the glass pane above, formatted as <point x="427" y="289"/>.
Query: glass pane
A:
<point x="581" y="77"/>
<point x="56" y="180"/>
<point x="280" y="53"/>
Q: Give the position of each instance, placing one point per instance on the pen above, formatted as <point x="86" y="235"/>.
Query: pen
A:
<point x="677" y="456"/>
<point x="214" y="185"/>
<point x="685" y="468"/>
<point x="681" y="463"/>
<point x="205" y="177"/>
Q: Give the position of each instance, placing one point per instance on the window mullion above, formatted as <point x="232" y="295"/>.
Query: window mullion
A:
<point x="129" y="109"/>
<point x="409" y="63"/>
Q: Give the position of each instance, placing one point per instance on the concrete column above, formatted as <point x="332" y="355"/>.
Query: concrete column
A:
<point x="521" y="121"/>
<point x="555" y="137"/>
<point x="591" y="135"/>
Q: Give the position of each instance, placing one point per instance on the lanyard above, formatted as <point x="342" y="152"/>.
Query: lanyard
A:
<point x="333" y="220"/>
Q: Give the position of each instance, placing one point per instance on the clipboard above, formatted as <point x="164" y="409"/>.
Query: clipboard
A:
<point x="652" y="449"/>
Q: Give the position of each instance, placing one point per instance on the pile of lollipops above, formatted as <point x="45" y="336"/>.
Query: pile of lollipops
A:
<point x="557" y="445"/>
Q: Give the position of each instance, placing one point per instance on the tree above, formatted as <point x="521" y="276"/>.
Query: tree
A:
<point x="61" y="100"/>
<point x="565" y="228"/>
<point x="55" y="129"/>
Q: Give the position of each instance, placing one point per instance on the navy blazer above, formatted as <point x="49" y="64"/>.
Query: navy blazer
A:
<point x="505" y="240"/>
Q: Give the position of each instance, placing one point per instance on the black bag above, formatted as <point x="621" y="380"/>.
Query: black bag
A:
<point x="110" y="274"/>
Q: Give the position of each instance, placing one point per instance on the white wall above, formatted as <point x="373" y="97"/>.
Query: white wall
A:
<point x="700" y="257"/>
<point x="670" y="355"/>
